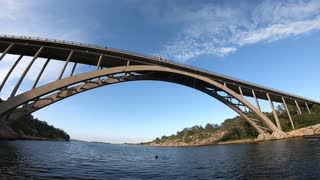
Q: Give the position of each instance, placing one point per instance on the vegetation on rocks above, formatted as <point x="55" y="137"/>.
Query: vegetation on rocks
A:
<point x="29" y="127"/>
<point x="238" y="128"/>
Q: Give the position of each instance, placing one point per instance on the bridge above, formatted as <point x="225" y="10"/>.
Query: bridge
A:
<point x="115" y="66"/>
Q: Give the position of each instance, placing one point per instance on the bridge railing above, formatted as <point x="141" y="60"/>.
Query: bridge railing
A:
<point x="156" y="58"/>
<point x="81" y="44"/>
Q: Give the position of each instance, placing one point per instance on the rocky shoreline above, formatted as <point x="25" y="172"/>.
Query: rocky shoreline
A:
<point x="310" y="130"/>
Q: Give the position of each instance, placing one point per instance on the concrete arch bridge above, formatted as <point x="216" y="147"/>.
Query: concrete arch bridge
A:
<point x="116" y="66"/>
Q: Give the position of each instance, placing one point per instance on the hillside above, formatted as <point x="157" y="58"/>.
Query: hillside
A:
<point x="29" y="128"/>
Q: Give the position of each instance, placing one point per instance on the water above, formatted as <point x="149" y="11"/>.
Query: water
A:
<point x="290" y="159"/>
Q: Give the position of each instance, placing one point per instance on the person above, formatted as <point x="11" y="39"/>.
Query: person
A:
<point x="156" y="157"/>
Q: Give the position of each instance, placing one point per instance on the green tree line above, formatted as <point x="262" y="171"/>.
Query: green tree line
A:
<point x="31" y="126"/>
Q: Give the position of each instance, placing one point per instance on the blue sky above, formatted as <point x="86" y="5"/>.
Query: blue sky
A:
<point x="272" y="43"/>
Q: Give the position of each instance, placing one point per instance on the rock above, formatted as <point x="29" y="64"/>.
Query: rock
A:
<point x="305" y="131"/>
<point x="308" y="131"/>
<point x="195" y="140"/>
<point x="264" y="137"/>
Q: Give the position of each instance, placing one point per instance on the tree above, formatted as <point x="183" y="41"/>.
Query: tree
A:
<point x="315" y="109"/>
<point x="186" y="137"/>
<point x="280" y="108"/>
<point x="211" y="127"/>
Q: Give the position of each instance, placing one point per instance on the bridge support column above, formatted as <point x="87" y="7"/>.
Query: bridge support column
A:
<point x="274" y="112"/>
<point x="6" y="51"/>
<point x="40" y="74"/>
<point x="240" y="90"/>
<point x="264" y="137"/>
<point x="308" y="108"/>
<point x="255" y="98"/>
<point x="73" y="69"/>
<point x="10" y="71"/>
<point x="65" y="65"/>
<point x="298" y="108"/>
<point x="25" y="72"/>
<point x="99" y="62"/>
<point x="288" y="112"/>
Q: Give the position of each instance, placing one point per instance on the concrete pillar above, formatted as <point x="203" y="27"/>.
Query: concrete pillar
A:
<point x="40" y="73"/>
<point x="126" y="64"/>
<point x="274" y="112"/>
<point x="14" y="91"/>
<point x="10" y="71"/>
<point x="99" y="62"/>
<point x="6" y="51"/>
<point x="308" y="108"/>
<point x="65" y="65"/>
<point x="73" y="68"/>
<point x="255" y="98"/>
<point x="289" y="115"/>
<point x="99" y="65"/>
<point x="298" y="108"/>
<point x="240" y="90"/>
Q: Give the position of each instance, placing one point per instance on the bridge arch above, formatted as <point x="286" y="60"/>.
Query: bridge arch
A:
<point x="47" y="94"/>
<point x="123" y="66"/>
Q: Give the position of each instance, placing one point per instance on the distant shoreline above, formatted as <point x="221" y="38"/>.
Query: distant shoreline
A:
<point x="31" y="138"/>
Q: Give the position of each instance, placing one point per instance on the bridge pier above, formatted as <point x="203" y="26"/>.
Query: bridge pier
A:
<point x="264" y="137"/>
<point x="278" y="135"/>
<point x="268" y="136"/>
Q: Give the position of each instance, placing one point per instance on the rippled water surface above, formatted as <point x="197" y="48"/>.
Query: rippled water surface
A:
<point x="293" y="159"/>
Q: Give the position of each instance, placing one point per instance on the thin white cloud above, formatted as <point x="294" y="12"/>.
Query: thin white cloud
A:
<point x="225" y="50"/>
<point x="221" y="30"/>
<point x="23" y="18"/>
<point x="273" y="12"/>
<point x="278" y="31"/>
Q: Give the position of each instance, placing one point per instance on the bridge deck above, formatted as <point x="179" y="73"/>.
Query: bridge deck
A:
<point x="89" y="54"/>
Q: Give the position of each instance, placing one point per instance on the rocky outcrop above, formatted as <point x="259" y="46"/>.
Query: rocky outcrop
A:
<point x="213" y="138"/>
<point x="310" y="130"/>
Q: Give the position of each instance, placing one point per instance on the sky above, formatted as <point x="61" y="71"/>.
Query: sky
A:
<point x="272" y="43"/>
